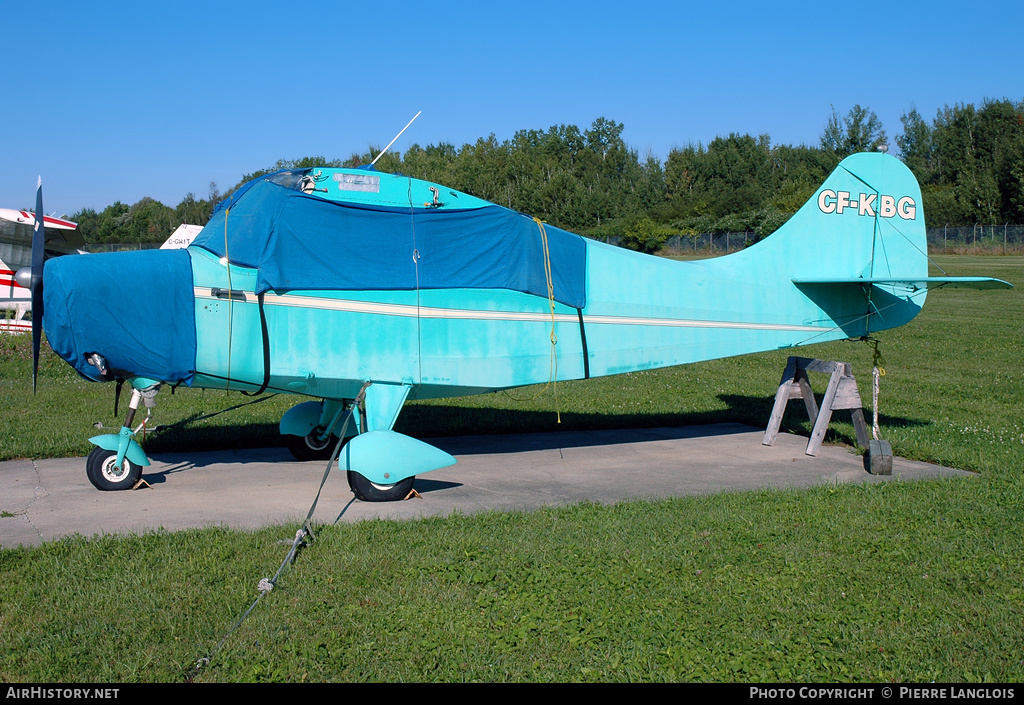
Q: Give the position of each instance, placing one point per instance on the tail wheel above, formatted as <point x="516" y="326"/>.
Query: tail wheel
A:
<point x="373" y="492"/>
<point x="104" y="474"/>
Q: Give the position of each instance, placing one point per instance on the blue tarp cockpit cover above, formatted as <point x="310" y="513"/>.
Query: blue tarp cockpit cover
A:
<point x="299" y="241"/>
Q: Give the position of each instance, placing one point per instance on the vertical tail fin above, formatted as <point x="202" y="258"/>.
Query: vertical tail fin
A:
<point x="853" y="248"/>
<point x="867" y="223"/>
<point x="864" y="222"/>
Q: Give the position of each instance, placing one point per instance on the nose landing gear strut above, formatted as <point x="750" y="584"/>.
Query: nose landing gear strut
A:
<point x="117" y="461"/>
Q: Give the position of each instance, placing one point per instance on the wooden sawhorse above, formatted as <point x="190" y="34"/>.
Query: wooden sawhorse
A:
<point x="841" y="393"/>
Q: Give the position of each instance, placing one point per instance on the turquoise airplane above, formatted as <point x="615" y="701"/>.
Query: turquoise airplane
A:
<point x="362" y="290"/>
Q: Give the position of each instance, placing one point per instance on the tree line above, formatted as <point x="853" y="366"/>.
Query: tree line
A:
<point x="969" y="161"/>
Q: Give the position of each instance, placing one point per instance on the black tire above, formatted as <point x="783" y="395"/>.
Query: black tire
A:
<point x="372" y="492"/>
<point x="101" y="467"/>
<point x="309" y="448"/>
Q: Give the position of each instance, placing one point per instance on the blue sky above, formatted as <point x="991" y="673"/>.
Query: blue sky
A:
<point x="117" y="101"/>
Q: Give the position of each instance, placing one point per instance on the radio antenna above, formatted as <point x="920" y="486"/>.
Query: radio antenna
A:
<point x="395" y="140"/>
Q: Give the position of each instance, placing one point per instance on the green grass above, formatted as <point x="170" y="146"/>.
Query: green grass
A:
<point x="918" y="581"/>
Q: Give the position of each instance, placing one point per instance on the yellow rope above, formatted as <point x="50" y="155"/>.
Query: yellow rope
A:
<point x="553" y="374"/>
<point x="231" y="303"/>
<point x="876" y="359"/>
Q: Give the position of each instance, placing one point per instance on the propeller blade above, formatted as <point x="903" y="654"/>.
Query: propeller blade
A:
<point x="38" y="255"/>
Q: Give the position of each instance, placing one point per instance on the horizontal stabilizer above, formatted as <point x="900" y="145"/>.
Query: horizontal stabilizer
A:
<point x="918" y="283"/>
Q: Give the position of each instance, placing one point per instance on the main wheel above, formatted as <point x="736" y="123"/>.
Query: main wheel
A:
<point x="101" y="467"/>
<point x="310" y="447"/>
<point x="372" y="492"/>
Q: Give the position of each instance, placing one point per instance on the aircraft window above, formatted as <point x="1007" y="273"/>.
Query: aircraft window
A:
<point x="292" y="179"/>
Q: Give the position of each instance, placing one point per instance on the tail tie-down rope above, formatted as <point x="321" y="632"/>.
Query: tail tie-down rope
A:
<point x="877" y="372"/>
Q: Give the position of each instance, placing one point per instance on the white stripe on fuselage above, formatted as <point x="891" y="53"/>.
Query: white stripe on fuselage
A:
<point x="412" y="311"/>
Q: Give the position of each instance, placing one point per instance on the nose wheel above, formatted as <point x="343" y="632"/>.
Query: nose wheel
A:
<point x="104" y="474"/>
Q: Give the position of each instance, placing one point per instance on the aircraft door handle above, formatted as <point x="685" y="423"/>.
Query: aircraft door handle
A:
<point x="232" y="294"/>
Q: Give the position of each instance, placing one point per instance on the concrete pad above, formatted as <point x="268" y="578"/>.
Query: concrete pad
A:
<point x="44" y="500"/>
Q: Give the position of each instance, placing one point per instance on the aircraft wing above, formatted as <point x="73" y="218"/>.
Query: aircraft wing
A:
<point x="61" y="235"/>
<point x="917" y="283"/>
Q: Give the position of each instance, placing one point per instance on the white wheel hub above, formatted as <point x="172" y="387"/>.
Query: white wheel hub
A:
<point x="113" y="473"/>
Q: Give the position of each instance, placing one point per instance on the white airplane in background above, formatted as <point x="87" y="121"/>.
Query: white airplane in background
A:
<point x="62" y="238"/>
<point x="182" y="237"/>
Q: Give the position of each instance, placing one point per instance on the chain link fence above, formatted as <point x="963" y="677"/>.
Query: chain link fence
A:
<point x="986" y="238"/>
<point x="120" y="246"/>
<point x="1005" y="238"/>
<point x="958" y="239"/>
<point x="710" y="243"/>
<point x="706" y="244"/>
